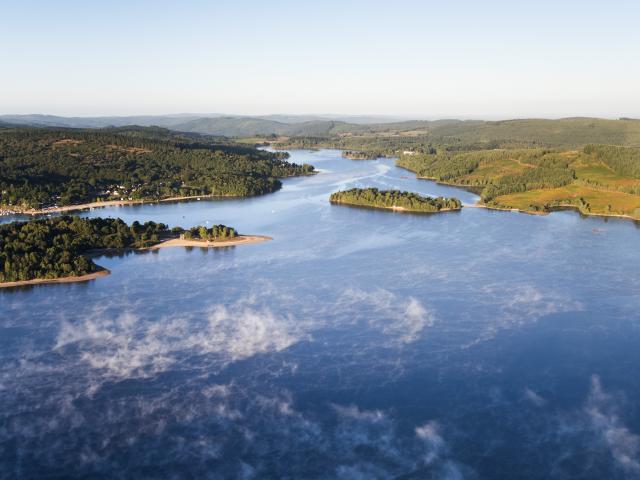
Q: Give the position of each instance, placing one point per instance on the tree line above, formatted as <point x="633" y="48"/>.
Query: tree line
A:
<point x="360" y="155"/>
<point x="217" y="232"/>
<point x="624" y="161"/>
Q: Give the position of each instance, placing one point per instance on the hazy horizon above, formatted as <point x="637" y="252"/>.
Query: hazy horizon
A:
<point x="409" y="59"/>
<point x="328" y="116"/>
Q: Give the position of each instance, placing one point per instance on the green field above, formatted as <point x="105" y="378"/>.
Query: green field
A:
<point x="541" y="180"/>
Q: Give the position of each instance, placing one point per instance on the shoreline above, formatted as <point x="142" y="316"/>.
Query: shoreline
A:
<point x="506" y="209"/>
<point x="103" y="272"/>
<point x="394" y="208"/>
<point x="113" y="203"/>
<point x="13" y="210"/>
<point x="467" y="188"/>
<point x="556" y="208"/>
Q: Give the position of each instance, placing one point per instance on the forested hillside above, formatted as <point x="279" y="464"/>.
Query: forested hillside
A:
<point x="622" y="160"/>
<point x="568" y="132"/>
<point x="597" y="179"/>
<point x="45" y="167"/>
<point x="250" y="126"/>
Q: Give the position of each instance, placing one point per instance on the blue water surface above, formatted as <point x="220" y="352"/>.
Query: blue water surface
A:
<point x="357" y="344"/>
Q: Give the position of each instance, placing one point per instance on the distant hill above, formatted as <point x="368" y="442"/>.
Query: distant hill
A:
<point x="170" y="121"/>
<point x="472" y="134"/>
<point x="233" y="126"/>
<point x="249" y="126"/>
<point x="355" y="119"/>
<point x="37" y="120"/>
<point x="485" y="134"/>
<point x="543" y="132"/>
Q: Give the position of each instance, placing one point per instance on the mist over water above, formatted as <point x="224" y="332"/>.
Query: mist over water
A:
<point x="356" y="344"/>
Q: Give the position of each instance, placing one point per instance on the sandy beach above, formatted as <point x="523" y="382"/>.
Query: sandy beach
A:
<point x="40" y="281"/>
<point x="239" y="240"/>
<point x="501" y="209"/>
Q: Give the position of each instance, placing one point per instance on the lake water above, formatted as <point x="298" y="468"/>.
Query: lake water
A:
<point x="357" y="344"/>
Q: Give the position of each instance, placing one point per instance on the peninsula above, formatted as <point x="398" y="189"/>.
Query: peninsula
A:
<point x="394" y="200"/>
<point x="59" y="249"/>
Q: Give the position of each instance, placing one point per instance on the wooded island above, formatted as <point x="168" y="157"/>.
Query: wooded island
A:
<point x="394" y="200"/>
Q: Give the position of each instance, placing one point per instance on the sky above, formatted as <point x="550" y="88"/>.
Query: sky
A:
<point x="419" y="59"/>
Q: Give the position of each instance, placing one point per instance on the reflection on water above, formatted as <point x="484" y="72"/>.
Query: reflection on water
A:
<point x="357" y="344"/>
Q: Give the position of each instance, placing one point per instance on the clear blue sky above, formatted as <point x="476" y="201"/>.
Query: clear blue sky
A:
<point x="424" y="59"/>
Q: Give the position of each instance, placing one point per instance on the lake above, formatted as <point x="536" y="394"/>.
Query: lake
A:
<point x="357" y="344"/>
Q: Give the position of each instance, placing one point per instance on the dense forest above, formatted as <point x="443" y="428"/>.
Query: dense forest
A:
<point x="57" y="247"/>
<point x="46" y="167"/>
<point x="409" y="201"/>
